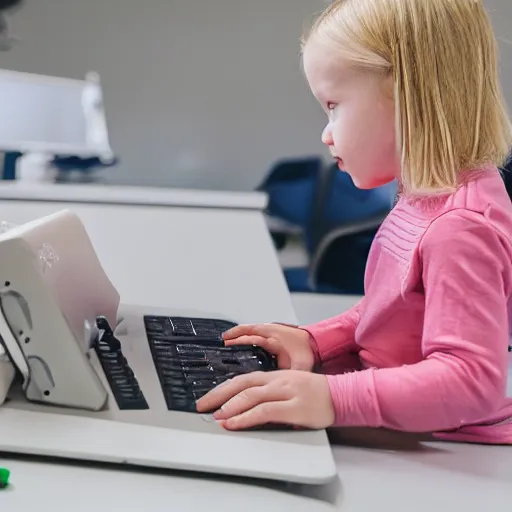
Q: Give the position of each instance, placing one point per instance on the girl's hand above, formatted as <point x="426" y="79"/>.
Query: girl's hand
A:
<point x="287" y="397"/>
<point x="291" y="345"/>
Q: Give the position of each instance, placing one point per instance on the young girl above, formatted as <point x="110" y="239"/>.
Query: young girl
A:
<point x="412" y="93"/>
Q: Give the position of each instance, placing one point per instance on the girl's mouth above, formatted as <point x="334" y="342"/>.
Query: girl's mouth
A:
<point x="339" y="161"/>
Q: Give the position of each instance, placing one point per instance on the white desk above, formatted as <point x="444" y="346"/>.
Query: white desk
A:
<point x="144" y="196"/>
<point x="240" y="277"/>
<point x="66" y="488"/>
<point x="313" y="307"/>
<point x="432" y="477"/>
<point x="429" y="477"/>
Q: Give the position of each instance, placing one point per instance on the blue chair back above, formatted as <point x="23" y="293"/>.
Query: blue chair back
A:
<point x="291" y="186"/>
<point x="339" y="235"/>
<point x="321" y="199"/>
<point x="340" y="203"/>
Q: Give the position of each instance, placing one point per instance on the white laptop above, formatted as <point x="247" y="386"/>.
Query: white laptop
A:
<point x="99" y="380"/>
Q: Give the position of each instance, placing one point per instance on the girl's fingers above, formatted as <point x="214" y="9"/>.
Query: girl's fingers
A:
<point x="250" y="398"/>
<point x="280" y="412"/>
<point x="246" y="330"/>
<point x="221" y="394"/>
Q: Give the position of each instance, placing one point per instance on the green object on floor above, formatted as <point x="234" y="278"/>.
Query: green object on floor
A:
<point x="4" y="478"/>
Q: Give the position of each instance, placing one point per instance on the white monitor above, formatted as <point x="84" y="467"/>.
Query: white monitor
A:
<point x="57" y="116"/>
<point x="52" y="290"/>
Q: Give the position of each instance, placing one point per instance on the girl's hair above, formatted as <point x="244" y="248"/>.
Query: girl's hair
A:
<point x="442" y="56"/>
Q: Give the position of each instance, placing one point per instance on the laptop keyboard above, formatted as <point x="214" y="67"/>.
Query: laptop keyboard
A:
<point x="120" y="376"/>
<point x="190" y="357"/>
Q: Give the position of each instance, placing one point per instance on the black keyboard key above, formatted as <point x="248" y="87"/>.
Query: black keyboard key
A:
<point x="120" y="376"/>
<point x="158" y="326"/>
<point x="206" y="329"/>
<point x="213" y="328"/>
<point x="154" y="327"/>
<point x="103" y="325"/>
<point x="231" y="360"/>
<point x="194" y="365"/>
<point x="182" y="327"/>
<point x="183" y="405"/>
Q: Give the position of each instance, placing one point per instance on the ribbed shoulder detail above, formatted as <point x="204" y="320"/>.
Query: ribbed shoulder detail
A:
<point x="400" y="233"/>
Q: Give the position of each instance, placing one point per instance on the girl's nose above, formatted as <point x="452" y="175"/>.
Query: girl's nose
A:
<point x="327" y="135"/>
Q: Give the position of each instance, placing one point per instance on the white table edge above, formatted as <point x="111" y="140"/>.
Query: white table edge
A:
<point x="132" y="195"/>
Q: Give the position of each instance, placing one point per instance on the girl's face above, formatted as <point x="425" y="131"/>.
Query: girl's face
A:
<point x="360" y="132"/>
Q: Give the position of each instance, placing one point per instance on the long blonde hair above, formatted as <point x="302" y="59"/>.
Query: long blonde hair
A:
<point x="443" y="57"/>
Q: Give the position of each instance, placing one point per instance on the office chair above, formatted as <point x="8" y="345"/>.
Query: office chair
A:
<point x="290" y="185"/>
<point x="339" y="234"/>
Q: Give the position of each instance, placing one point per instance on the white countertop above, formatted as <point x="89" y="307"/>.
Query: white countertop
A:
<point x="64" y="487"/>
<point x="425" y="477"/>
<point x="399" y="477"/>
<point x="130" y="195"/>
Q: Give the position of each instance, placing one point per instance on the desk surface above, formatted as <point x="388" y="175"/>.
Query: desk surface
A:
<point x="421" y="477"/>
<point x="425" y="477"/>
<point x="128" y="195"/>
<point x="66" y="487"/>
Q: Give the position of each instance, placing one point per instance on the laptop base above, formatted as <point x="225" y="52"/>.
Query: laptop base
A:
<point x="156" y="436"/>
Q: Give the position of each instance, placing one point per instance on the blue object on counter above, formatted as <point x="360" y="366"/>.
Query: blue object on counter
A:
<point x="10" y="162"/>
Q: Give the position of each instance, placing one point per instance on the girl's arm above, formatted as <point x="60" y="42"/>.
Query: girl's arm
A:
<point x="466" y="270"/>
<point x="333" y="341"/>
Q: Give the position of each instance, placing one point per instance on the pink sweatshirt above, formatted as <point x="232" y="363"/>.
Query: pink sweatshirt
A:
<point x="426" y="348"/>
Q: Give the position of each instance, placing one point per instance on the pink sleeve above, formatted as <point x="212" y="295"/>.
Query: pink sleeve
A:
<point x="333" y="341"/>
<point x="466" y="270"/>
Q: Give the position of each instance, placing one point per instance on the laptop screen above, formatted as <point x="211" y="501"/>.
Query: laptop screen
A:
<point x="66" y="261"/>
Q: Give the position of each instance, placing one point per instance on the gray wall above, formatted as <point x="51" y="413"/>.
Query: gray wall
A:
<point x="204" y="93"/>
<point x="501" y="15"/>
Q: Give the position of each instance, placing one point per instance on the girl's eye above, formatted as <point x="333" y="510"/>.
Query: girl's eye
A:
<point x="331" y="107"/>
